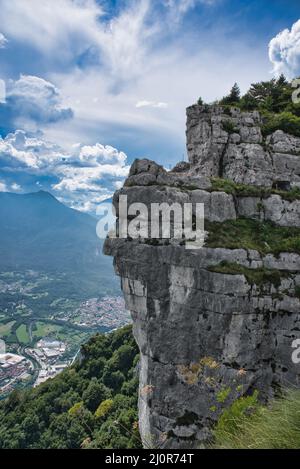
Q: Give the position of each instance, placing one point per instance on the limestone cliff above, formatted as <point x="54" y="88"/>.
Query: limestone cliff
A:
<point x="215" y="323"/>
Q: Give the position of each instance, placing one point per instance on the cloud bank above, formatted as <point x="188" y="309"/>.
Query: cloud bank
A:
<point x="31" y="102"/>
<point x="284" y="51"/>
<point x="81" y="178"/>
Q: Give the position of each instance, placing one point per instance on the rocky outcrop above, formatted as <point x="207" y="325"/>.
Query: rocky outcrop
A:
<point x="183" y="187"/>
<point x="212" y="324"/>
<point x="231" y="145"/>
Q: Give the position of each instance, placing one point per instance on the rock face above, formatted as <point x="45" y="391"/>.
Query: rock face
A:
<point x="230" y="145"/>
<point x="208" y="337"/>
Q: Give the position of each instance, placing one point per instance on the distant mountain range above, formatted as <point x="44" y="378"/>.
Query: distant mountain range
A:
<point x="40" y="233"/>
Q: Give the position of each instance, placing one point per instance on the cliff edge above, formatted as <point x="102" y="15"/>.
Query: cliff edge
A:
<point x="220" y="322"/>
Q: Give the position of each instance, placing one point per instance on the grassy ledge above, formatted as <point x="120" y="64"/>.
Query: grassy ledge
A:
<point x="245" y="233"/>
<point x="258" y="276"/>
<point x="243" y="190"/>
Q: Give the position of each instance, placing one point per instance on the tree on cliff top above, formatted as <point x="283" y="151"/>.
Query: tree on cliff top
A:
<point x="233" y="97"/>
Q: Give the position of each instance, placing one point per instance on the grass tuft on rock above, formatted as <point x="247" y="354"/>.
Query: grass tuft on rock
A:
<point x="249" y="425"/>
<point x="243" y="190"/>
<point x="245" y="233"/>
<point x="254" y="276"/>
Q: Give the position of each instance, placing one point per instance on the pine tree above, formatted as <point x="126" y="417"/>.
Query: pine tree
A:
<point x="233" y="97"/>
<point x="235" y="93"/>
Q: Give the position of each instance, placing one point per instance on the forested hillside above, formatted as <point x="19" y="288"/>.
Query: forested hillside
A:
<point x="93" y="404"/>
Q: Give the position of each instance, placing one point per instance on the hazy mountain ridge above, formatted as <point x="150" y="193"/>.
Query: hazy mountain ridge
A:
<point x="39" y="232"/>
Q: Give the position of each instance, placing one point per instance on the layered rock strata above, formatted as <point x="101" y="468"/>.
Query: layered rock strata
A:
<point x="212" y="324"/>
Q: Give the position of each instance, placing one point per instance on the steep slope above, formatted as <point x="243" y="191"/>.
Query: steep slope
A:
<point x="217" y="323"/>
<point x="93" y="404"/>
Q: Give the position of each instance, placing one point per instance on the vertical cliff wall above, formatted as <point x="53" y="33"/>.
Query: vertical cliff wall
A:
<point x="216" y="323"/>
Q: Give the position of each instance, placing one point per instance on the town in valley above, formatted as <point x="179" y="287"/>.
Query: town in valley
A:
<point x="41" y="332"/>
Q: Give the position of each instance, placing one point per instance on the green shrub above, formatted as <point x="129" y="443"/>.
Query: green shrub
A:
<point x="229" y="127"/>
<point x="233" y="97"/>
<point x="94" y="394"/>
<point x="297" y="291"/>
<point x="104" y="408"/>
<point x="285" y="121"/>
<point x="223" y="395"/>
<point x="233" y="418"/>
<point x="273" y="99"/>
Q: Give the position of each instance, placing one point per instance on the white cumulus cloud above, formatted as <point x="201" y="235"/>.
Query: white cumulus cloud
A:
<point x="31" y="103"/>
<point x="17" y="150"/>
<point x="3" y="41"/>
<point x="36" y="99"/>
<point x="84" y="176"/>
<point x="284" y="51"/>
<point x="94" y="155"/>
<point x="16" y="187"/>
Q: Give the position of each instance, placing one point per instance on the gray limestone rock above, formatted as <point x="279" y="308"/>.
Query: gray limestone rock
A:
<point x="207" y="338"/>
<point x="232" y="146"/>
<point x="281" y="212"/>
<point x="145" y="166"/>
<point x="247" y="163"/>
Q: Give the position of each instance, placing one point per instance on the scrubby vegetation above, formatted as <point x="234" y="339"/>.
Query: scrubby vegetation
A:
<point x="285" y="121"/>
<point x="229" y="127"/>
<point x="93" y="404"/>
<point x="245" y="233"/>
<point x="273" y="99"/>
<point x="254" y="276"/>
<point x="243" y="190"/>
<point x="249" y="425"/>
<point x="230" y="187"/>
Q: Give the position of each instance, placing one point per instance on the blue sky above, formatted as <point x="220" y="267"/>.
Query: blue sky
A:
<point x="91" y="84"/>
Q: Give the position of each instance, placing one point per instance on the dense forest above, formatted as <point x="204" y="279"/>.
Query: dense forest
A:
<point x="92" y="404"/>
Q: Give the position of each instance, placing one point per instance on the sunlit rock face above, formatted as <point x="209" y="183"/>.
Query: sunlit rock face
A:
<point x="208" y="337"/>
<point x="230" y="145"/>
